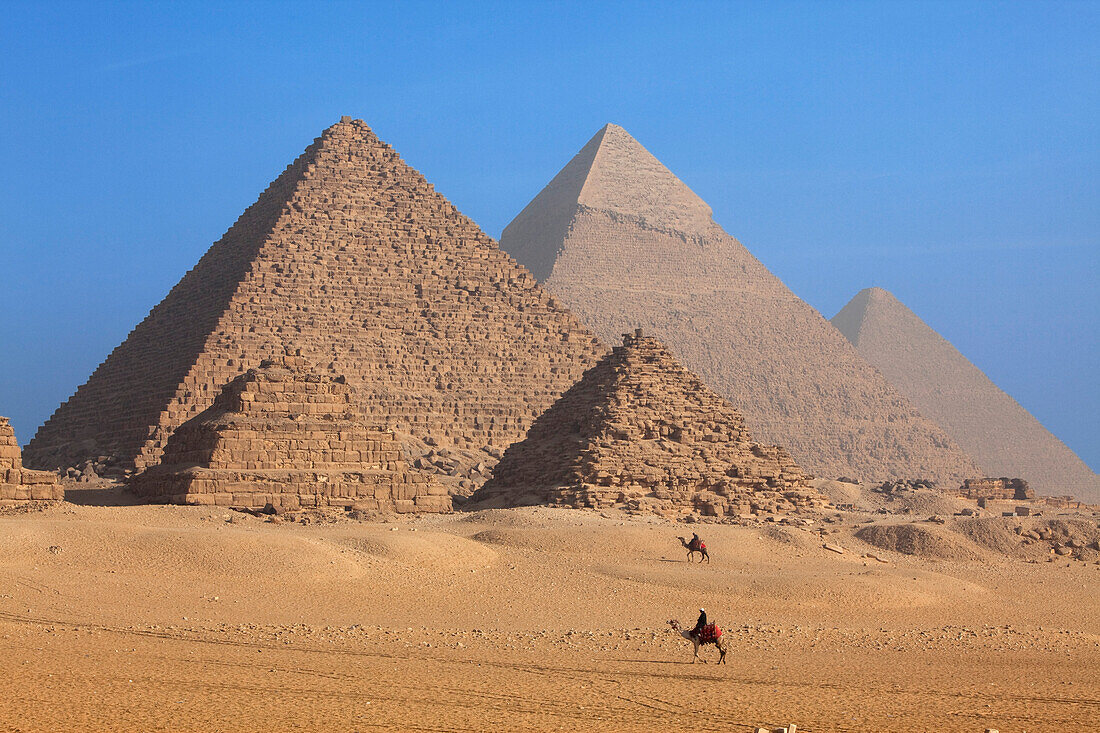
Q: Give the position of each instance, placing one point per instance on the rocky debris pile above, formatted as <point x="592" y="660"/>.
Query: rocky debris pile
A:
<point x="22" y="484"/>
<point x="286" y="435"/>
<point x="996" y="488"/>
<point x="892" y="487"/>
<point x="461" y="470"/>
<point x="641" y="432"/>
<point x="96" y="468"/>
<point x="353" y="258"/>
<point x="1078" y="540"/>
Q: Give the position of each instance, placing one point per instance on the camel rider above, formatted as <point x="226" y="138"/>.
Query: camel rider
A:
<point x="696" y="543"/>
<point x="699" y="624"/>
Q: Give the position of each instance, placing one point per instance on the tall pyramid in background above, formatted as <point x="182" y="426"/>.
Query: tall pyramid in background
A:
<point x="1003" y="437"/>
<point x="623" y="243"/>
<point x="352" y="260"/>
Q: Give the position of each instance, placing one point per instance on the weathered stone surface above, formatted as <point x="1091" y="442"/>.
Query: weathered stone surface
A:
<point x="286" y="435"/>
<point x="622" y="242"/>
<point x="352" y="258"/>
<point x="22" y="484"/>
<point x="995" y="488"/>
<point x="642" y="432"/>
<point x="1003" y="437"/>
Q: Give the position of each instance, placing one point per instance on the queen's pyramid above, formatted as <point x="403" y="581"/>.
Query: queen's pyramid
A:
<point x="352" y="260"/>
<point x="641" y="431"/>
<point x="622" y="242"/>
<point x="1003" y="437"/>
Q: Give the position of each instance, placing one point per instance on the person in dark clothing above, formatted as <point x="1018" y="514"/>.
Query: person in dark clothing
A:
<point x="696" y="543"/>
<point x="700" y="623"/>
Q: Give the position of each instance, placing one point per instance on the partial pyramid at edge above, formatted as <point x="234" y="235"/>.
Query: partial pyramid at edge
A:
<point x="642" y="432"/>
<point x="618" y="239"/>
<point x="1003" y="437"/>
<point x="352" y="259"/>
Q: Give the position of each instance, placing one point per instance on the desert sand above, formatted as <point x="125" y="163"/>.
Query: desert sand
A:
<point x="126" y="618"/>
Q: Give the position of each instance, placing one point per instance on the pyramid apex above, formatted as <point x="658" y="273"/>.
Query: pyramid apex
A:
<point x="622" y="176"/>
<point x="877" y="292"/>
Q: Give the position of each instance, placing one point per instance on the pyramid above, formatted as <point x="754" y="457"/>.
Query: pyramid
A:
<point x="353" y="260"/>
<point x="621" y="241"/>
<point x="18" y="483"/>
<point x="287" y="435"/>
<point x="641" y="431"/>
<point x="1004" y="438"/>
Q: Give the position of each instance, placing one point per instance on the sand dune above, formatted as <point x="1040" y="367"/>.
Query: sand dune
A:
<point x="196" y="619"/>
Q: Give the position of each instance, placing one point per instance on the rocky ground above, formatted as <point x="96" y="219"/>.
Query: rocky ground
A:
<point x="198" y="619"/>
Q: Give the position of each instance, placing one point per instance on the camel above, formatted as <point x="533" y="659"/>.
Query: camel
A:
<point x="701" y="549"/>
<point x="719" y="643"/>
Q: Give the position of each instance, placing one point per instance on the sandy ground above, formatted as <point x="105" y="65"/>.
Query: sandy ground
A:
<point x="152" y="618"/>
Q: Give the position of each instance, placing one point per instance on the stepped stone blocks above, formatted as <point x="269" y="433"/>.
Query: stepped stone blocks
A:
<point x="641" y="431"/>
<point x="352" y="259"/>
<point x="285" y="434"/>
<point x="1003" y="437"/>
<point x="996" y="488"/>
<point x="18" y="483"/>
<point x="621" y="241"/>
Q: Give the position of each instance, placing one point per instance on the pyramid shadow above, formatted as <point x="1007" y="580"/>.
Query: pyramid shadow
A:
<point x="100" y="495"/>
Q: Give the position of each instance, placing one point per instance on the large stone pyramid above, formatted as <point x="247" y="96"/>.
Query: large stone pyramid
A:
<point x="641" y="431"/>
<point x="287" y="435"/>
<point x="1004" y="438"/>
<point x="621" y="241"/>
<point x="351" y="258"/>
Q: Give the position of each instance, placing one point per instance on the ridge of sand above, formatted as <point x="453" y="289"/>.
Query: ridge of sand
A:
<point x="196" y="619"/>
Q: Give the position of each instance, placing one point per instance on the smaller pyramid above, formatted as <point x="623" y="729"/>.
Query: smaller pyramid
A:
<point x="642" y="432"/>
<point x="1003" y="437"/>
<point x="285" y="434"/>
<point x="18" y="483"/>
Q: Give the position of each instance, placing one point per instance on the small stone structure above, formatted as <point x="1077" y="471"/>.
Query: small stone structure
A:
<point x="287" y="435"/>
<point x="18" y="483"/>
<point x="996" y="488"/>
<point x="641" y="431"/>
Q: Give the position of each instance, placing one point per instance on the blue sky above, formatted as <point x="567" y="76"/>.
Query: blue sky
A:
<point x="949" y="152"/>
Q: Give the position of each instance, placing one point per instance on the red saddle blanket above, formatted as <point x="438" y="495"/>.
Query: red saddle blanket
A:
<point x="700" y="545"/>
<point x="710" y="632"/>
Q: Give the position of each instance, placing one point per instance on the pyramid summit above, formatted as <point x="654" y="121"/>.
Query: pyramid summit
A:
<point x="1004" y="438"/>
<point x="622" y="242"/>
<point x="352" y="259"/>
<point x="613" y="173"/>
<point x="640" y="430"/>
